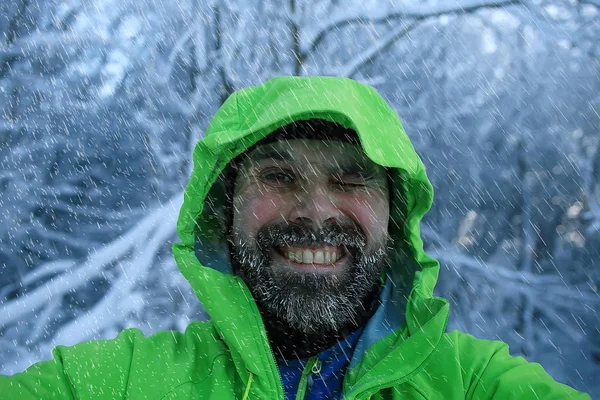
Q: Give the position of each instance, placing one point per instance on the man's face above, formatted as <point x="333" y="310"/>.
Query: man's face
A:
<point x="310" y="230"/>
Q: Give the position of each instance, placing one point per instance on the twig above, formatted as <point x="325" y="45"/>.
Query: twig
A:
<point x="419" y="14"/>
<point x="367" y="56"/>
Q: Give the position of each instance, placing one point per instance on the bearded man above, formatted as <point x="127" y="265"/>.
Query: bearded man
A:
<point x="300" y="236"/>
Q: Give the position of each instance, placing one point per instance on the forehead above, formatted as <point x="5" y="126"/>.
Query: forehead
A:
<point x="306" y="152"/>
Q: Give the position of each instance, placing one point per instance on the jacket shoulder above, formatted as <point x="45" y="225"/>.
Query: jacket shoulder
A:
<point x="489" y="371"/>
<point x="104" y="368"/>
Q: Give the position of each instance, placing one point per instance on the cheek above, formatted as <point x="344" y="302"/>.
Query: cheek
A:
<point x="371" y="213"/>
<point x="253" y="211"/>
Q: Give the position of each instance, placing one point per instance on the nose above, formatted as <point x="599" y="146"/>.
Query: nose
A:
<point x="316" y="205"/>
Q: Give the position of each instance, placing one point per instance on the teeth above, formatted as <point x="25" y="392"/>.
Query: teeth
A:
<point x="319" y="257"/>
<point x="307" y="256"/>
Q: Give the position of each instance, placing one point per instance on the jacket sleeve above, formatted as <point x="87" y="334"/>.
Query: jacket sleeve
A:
<point x="490" y="372"/>
<point x="44" y="380"/>
<point x="95" y="369"/>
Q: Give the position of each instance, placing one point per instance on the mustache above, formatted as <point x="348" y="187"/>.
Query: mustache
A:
<point x="342" y="233"/>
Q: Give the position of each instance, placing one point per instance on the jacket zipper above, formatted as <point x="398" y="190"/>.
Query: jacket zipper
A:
<point x="313" y="366"/>
<point x="274" y="360"/>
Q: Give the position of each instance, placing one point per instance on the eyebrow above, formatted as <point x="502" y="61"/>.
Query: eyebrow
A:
<point x="357" y="170"/>
<point x="269" y="154"/>
<point x="343" y="168"/>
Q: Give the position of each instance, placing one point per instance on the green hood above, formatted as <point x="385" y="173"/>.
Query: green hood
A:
<point x="246" y="117"/>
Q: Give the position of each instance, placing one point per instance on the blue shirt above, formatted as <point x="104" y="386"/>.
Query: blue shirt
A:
<point x="326" y="375"/>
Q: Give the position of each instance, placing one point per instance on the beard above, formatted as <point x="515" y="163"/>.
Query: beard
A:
<point x="307" y="300"/>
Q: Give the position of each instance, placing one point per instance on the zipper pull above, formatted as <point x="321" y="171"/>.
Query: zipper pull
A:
<point x="316" y="368"/>
<point x="313" y="366"/>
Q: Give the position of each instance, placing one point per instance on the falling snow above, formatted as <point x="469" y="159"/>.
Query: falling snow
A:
<point x="103" y="100"/>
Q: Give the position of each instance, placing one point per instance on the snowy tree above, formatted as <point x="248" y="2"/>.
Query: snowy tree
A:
<point x="103" y="101"/>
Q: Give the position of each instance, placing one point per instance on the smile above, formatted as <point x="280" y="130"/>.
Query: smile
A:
<point x="325" y="255"/>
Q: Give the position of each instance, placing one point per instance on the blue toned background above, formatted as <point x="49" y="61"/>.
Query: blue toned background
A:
<point x="102" y="102"/>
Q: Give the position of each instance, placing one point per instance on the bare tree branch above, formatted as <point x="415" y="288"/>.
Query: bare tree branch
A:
<point x="314" y="37"/>
<point x="368" y="56"/>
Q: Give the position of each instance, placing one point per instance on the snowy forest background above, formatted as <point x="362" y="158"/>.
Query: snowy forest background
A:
<point x="102" y="101"/>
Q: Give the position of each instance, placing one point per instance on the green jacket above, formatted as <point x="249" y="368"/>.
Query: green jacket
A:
<point x="404" y="352"/>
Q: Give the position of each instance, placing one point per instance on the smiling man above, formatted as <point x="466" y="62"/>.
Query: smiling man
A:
<point x="300" y="236"/>
<point x="309" y="233"/>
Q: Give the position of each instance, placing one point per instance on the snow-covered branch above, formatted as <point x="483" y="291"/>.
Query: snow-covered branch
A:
<point x="314" y="35"/>
<point x="152" y="230"/>
<point x="549" y="288"/>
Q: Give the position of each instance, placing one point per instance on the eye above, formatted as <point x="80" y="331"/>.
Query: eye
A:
<point x="278" y="178"/>
<point x="347" y="182"/>
<point x="342" y="185"/>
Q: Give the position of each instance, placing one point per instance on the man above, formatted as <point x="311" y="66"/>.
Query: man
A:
<point x="300" y="236"/>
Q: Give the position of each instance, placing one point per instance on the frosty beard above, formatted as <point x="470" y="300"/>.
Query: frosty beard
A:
<point x="309" y="302"/>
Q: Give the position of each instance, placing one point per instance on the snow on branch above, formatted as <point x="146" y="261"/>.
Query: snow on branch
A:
<point x="59" y="42"/>
<point x="38" y="274"/>
<point x="550" y="289"/>
<point x="195" y="33"/>
<point x="118" y="302"/>
<point x="133" y="251"/>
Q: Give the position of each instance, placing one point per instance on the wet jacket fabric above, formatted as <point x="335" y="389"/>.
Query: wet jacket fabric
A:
<point x="404" y="351"/>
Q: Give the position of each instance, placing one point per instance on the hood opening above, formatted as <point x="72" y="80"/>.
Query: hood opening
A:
<point x="210" y="244"/>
